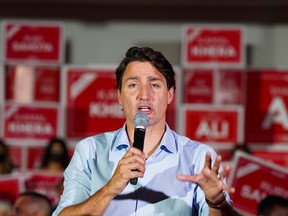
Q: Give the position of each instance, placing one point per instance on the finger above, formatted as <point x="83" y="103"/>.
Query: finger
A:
<point x="208" y="160"/>
<point x="136" y="166"/>
<point x="222" y="175"/>
<point x="191" y="178"/>
<point x="130" y="168"/>
<point x="230" y="190"/>
<point x="134" y="151"/>
<point x="216" y="164"/>
<point x="132" y="162"/>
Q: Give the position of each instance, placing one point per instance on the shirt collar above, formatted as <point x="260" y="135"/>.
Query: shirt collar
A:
<point x="168" y="142"/>
<point x="121" y="143"/>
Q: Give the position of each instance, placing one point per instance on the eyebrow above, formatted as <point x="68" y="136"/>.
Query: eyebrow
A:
<point x="150" y="78"/>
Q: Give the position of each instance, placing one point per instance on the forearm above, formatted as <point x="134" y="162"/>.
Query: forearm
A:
<point x="95" y="205"/>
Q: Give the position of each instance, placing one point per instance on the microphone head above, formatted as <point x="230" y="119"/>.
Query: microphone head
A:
<point x="141" y="120"/>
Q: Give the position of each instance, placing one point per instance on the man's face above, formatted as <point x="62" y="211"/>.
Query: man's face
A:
<point x="144" y="89"/>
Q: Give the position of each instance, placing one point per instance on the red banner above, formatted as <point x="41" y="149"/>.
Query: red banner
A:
<point x="33" y="41"/>
<point x="32" y="83"/>
<point x="10" y="187"/>
<point x="47" y="183"/>
<point x="198" y="86"/>
<point x="213" y="46"/>
<point x="230" y="86"/>
<point x="276" y="155"/>
<point x="213" y="124"/>
<point x="16" y="155"/>
<point x="254" y="179"/>
<point x="50" y="184"/>
<point x="92" y="102"/>
<point x="266" y="119"/>
<point x="30" y="122"/>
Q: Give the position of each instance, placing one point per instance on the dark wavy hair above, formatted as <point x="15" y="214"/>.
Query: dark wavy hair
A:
<point x="47" y="154"/>
<point x="146" y="54"/>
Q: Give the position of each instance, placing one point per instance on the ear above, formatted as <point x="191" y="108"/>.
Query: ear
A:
<point x="170" y="95"/>
<point x="119" y="97"/>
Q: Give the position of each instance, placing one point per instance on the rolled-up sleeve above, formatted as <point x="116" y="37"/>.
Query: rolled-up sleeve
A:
<point x="77" y="183"/>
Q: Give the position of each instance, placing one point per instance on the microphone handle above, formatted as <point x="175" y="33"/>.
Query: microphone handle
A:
<point x="139" y="135"/>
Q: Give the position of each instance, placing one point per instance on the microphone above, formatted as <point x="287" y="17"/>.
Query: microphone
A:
<point x="140" y="123"/>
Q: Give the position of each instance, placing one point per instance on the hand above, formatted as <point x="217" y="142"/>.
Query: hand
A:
<point x="209" y="180"/>
<point x="134" y="160"/>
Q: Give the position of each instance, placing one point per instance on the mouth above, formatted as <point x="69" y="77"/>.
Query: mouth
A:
<point x="144" y="108"/>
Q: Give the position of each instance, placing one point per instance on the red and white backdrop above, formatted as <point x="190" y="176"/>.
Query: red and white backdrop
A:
<point x="218" y="100"/>
<point x="32" y="56"/>
<point x="215" y="78"/>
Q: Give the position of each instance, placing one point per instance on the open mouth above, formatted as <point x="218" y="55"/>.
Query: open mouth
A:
<point x="144" y="108"/>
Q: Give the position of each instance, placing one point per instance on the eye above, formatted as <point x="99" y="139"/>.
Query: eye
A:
<point x="155" y="85"/>
<point x="132" y="85"/>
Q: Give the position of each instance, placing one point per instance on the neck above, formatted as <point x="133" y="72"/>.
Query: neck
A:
<point x="153" y="137"/>
<point x="154" y="140"/>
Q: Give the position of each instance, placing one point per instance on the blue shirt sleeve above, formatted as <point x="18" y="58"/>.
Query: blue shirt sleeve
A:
<point x="77" y="181"/>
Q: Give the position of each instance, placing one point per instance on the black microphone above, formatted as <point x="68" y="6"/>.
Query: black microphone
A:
<point x="140" y="123"/>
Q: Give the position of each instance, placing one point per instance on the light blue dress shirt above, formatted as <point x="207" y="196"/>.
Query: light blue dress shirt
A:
<point x="158" y="193"/>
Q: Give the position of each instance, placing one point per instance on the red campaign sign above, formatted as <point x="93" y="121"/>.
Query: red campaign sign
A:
<point x="49" y="184"/>
<point x="9" y="188"/>
<point x="212" y="124"/>
<point x="276" y="156"/>
<point x="230" y="87"/>
<point x="30" y="122"/>
<point x="171" y="117"/>
<point x="210" y="46"/>
<point x="42" y="85"/>
<point x="226" y="153"/>
<point x="171" y="114"/>
<point x="198" y="86"/>
<point x="16" y="155"/>
<point x="33" y="41"/>
<point x="35" y="157"/>
<point x="266" y="119"/>
<point x="47" y="80"/>
<point x="92" y="102"/>
<point x="254" y="179"/>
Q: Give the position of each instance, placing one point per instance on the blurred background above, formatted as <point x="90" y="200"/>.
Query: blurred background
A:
<point x="57" y="62"/>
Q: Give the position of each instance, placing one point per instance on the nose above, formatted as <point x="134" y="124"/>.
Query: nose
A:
<point x="144" y="92"/>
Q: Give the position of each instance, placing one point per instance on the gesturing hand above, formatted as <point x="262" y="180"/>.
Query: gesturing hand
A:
<point x="209" y="179"/>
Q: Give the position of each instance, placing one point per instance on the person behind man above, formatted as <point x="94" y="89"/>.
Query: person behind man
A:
<point x="176" y="176"/>
<point x="31" y="203"/>
<point x="6" y="164"/>
<point x="56" y="156"/>
<point x="273" y="205"/>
